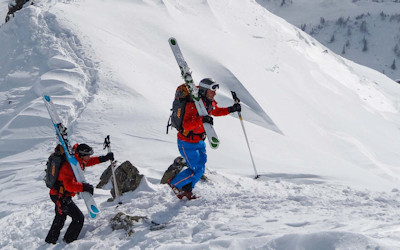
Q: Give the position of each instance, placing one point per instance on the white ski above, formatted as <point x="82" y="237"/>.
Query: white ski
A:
<point x="187" y="77"/>
<point x="62" y="135"/>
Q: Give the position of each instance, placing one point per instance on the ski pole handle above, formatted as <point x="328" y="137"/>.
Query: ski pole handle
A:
<point x="107" y="143"/>
<point x="235" y="98"/>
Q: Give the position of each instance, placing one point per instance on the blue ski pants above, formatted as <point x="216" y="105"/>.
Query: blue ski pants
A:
<point x="196" y="158"/>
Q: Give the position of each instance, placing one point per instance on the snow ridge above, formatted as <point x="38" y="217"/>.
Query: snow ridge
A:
<point x="40" y="57"/>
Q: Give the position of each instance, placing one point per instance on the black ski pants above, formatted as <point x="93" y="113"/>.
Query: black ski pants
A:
<point x="68" y="207"/>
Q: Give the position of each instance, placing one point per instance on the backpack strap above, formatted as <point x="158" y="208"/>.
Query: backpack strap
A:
<point x="190" y="134"/>
<point x="169" y="124"/>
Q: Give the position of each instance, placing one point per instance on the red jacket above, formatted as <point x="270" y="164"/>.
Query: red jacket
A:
<point x="67" y="177"/>
<point x="192" y="123"/>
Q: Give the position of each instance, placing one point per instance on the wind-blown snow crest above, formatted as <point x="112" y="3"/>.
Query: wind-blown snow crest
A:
<point x="39" y="57"/>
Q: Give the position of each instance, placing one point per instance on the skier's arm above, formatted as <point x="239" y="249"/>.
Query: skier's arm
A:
<point x="99" y="159"/>
<point x="92" y="161"/>
<point x="217" y="111"/>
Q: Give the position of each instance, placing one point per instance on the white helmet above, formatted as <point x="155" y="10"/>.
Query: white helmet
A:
<point x="207" y="83"/>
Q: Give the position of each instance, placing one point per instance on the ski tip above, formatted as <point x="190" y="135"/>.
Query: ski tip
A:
<point x="47" y="98"/>
<point x="92" y="215"/>
<point x="172" y="41"/>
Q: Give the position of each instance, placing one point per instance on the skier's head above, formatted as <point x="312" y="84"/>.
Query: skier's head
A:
<point x="84" y="150"/>
<point x="207" y="88"/>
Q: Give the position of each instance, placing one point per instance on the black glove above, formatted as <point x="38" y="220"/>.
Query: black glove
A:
<point x="86" y="187"/>
<point x="107" y="157"/>
<point x="208" y="119"/>
<point x="235" y="108"/>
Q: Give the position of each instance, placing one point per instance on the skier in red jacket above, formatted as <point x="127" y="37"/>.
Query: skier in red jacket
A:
<point x="65" y="189"/>
<point x="191" y="140"/>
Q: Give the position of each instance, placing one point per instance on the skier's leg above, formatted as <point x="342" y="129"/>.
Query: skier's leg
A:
<point x="182" y="178"/>
<point x="77" y="221"/>
<point x="194" y="154"/>
<point x="57" y="225"/>
<point x="200" y="165"/>
<point x="188" y="152"/>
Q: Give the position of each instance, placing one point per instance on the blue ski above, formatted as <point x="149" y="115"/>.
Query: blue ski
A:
<point x="62" y="135"/>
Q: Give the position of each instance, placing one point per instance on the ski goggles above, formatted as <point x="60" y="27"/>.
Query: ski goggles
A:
<point x="85" y="152"/>
<point x="214" y="86"/>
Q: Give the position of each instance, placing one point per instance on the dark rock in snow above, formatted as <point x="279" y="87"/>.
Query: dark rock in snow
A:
<point x="105" y="177"/>
<point x="124" y="221"/>
<point x="177" y="166"/>
<point x="127" y="175"/>
<point x="174" y="169"/>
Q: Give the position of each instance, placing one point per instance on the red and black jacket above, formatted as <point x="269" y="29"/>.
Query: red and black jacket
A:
<point x="193" y="130"/>
<point x="68" y="186"/>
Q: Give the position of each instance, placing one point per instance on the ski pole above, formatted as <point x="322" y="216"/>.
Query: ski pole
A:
<point x="236" y="99"/>
<point x="107" y="144"/>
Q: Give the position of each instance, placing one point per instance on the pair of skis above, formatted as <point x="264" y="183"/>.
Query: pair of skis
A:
<point x="62" y="136"/>
<point x="194" y="92"/>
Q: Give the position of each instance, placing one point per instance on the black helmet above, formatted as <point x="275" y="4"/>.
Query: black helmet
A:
<point x="207" y="83"/>
<point x="83" y="150"/>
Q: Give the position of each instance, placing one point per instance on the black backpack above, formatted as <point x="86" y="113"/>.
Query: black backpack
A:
<point x="182" y="96"/>
<point x="54" y="164"/>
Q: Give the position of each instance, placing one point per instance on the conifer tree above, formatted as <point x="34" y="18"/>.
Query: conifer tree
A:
<point x="365" y="44"/>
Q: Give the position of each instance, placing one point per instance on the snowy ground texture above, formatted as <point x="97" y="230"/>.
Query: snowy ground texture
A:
<point x="330" y="181"/>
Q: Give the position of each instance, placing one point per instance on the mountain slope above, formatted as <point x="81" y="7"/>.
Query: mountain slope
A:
<point x="114" y="74"/>
<point x="365" y="32"/>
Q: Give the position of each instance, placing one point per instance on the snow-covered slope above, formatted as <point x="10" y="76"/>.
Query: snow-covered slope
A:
<point x="366" y="31"/>
<point x="330" y="181"/>
<point x="3" y="10"/>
